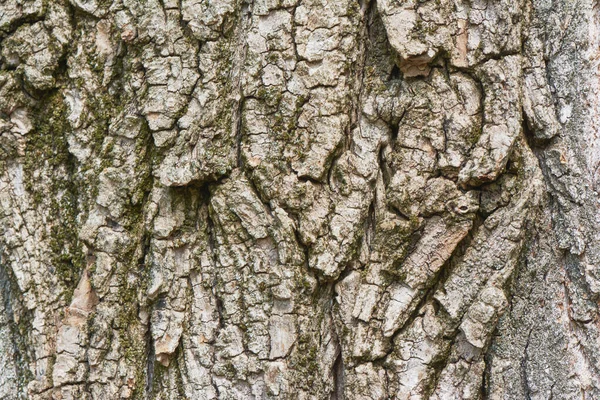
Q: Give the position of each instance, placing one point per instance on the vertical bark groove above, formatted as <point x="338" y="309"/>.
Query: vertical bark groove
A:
<point x="308" y="199"/>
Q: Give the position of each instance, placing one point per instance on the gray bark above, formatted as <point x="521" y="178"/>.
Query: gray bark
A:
<point x="299" y="199"/>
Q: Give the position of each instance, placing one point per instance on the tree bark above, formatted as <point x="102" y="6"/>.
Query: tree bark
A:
<point x="299" y="199"/>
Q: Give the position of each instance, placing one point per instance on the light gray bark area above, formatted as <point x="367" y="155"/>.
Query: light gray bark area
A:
<point x="299" y="199"/>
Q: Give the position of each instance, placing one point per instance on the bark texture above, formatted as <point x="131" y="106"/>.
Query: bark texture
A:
<point x="299" y="199"/>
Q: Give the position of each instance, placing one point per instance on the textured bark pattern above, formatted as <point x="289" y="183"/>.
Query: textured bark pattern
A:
<point x="299" y="199"/>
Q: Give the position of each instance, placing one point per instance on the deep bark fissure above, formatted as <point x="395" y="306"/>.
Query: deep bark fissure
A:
<point x="295" y="199"/>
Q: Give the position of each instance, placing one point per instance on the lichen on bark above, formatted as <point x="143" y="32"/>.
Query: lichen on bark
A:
<point x="299" y="199"/>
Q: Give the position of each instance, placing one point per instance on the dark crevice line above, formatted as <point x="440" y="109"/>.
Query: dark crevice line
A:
<point x="239" y="133"/>
<point x="245" y="19"/>
<point x="523" y="371"/>
<point x="338" y="376"/>
<point x="212" y="246"/>
<point x="487" y="370"/>
<point x="19" y="22"/>
<point x="150" y="356"/>
<point x="370" y="226"/>
<point x="210" y="231"/>
<point x="367" y="12"/>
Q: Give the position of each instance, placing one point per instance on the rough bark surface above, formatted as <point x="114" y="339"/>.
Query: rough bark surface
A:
<point x="299" y="199"/>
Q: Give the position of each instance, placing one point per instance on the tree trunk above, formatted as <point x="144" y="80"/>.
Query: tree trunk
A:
<point x="299" y="199"/>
